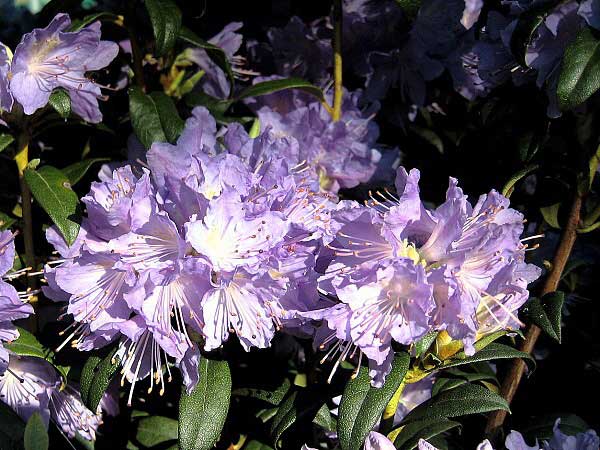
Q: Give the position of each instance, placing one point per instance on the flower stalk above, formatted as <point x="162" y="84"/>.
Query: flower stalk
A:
<point x="337" y="61"/>
<point x="22" y="160"/>
<point x="517" y="369"/>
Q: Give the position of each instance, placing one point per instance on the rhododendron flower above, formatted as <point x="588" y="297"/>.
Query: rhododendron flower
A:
<point x="405" y="270"/>
<point x="52" y="57"/>
<point x="206" y="239"/>
<point x="12" y="307"/>
<point x="32" y="385"/>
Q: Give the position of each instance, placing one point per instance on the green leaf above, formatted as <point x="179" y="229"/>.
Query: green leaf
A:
<point x="300" y="407"/>
<point x="409" y="436"/>
<point x="430" y="136"/>
<point x="580" y="71"/>
<point x="202" y="413"/>
<point x="489" y="353"/>
<point x="423" y="344"/>
<point x="362" y="405"/>
<point x="61" y="102"/>
<point x="28" y="345"/>
<point x="170" y="121"/>
<point x="546" y="313"/>
<point x="460" y="401"/>
<point x="12" y="428"/>
<point x="78" y="24"/>
<point x="52" y="190"/>
<point x="273" y="397"/>
<point x="215" y="53"/>
<point x="525" y="30"/>
<point x="5" y="140"/>
<point x="268" y="87"/>
<point x="324" y="419"/>
<point x="542" y="427"/>
<point x="255" y="445"/>
<point x="36" y="436"/>
<point x="410" y="7"/>
<point x="76" y="171"/>
<point x="156" y="430"/>
<point x="145" y="118"/>
<point x="550" y="214"/>
<point x="96" y="376"/>
<point x="165" y="17"/>
<point x="6" y="221"/>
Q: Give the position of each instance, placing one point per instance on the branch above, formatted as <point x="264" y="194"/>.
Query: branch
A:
<point x="22" y="159"/>
<point x="517" y="369"/>
<point x="337" y="60"/>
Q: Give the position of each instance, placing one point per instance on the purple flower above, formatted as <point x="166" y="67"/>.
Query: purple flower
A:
<point x="471" y="12"/>
<point x="377" y="441"/>
<point x="339" y="154"/>
<point x="27" y="385"/>
<point x="424" y="445"/>
<point x="212" y="239"/>
<point x="12" y="307"/>
<point x="587" y="440"/>
<point x="404" y="270"/>
<point x="32" y="385"/>
<point x="547" y="48"/>
<point x="71" y="415"/>
<point x="49" y="58"/>
<point x="6" y="98"/>
<point x="590" y="11"/>
<point x="214" y="81"/>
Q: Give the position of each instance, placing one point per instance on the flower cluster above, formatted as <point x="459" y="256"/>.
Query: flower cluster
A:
<point x="53" y="57"/>
<point x="209" y="241"/>
<point x="340" y="154"/>
<point x="400" y="271"/>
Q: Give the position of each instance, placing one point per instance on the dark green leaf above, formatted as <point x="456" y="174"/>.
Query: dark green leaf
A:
<point x="215" y="53"/>
<point x="542" y="427"/>
<point x="96" y="376"/>
<point x="52" y="190"/>
<point x="28" y="345"/>
<point x="170" y="121"/>
<point x="61" y="102"/>
<point x="5" y="140"/>
<point x="268" y="87"/>
<point x="273" y="397"/>
<point x="580" y="71"/>
<point x="408" y="438"/>
<point x="460" y="401"/>
<point x="202" y="413"/>
<point x="410" y="7"/>
<point x="362" y="405"/>
<point x="156" y="430"/>
<point x="87" y="20"/>
<point x="546" y="313"/>
<point x="36" y="436"/>
<point x="298" y="409"/>
<point x="255" y="445"/>
<point x="76" y="171"/>
<point x="145" y="118"/>
<point x="165" y="17"/>
<point x="525" y="30"/>
<point x="491" y="352"/>
<point x="423" y="344"/>
<point x="6" y="221"/>
<point x="12" y="428"/>
<point x="324" y="419"/>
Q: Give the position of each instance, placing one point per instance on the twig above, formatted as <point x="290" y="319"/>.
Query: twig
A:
<point x="22" y="159"/>
<point x="337" y="60"/>
<point x="513" y="378"/>
<point x="136" y="52"/>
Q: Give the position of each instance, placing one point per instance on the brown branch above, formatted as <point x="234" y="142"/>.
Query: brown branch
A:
<point x="513" y="378"/>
